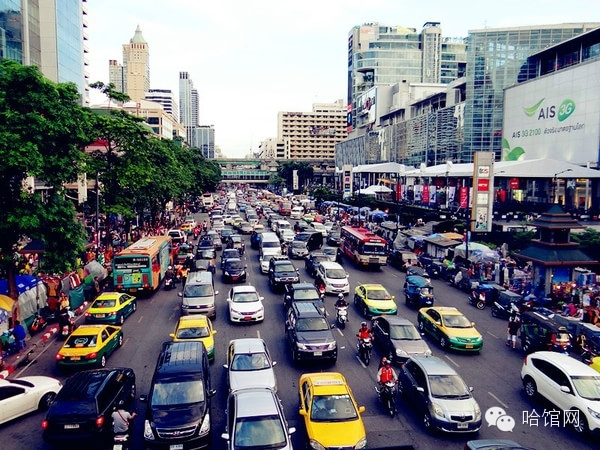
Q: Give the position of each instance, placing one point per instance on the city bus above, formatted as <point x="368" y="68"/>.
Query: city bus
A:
<point x="363" y="247"/>
<point x="208" y="201"/>
<point x="141" y="267"/>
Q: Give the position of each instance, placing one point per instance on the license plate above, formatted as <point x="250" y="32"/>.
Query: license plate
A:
<point x="469" y="346"/>
<point x="234" y="278"/>
<point x="75" y="358"/>
<point x="176" y="447"/>
<point x="99" y="316"/>
<point x="318" y="353"/>
<point x="247" y="318"/>
<point x="73" y="426"/>
<point x="462" y="426"/>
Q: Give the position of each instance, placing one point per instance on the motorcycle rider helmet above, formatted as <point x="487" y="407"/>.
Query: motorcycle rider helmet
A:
<point x="363" y="324"/>
<point x="170" y="268"/>
<point x="387" y="362"/>
<point x="341" y="296"/>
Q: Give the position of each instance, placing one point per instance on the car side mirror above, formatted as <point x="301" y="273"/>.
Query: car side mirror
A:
<point x="302" y="412"/>
<point x="225" y="366"/>
<point x="212" y="392"/>
<point x="172" y="335"/>
<point x="471" y="388"/>
<point x="143" y="398"/>
<point x="225" y="436"/>
<point x="274" y="363"/>
<point x="291" y="430"/>
<point x="472" y="324"/>
<point x="361" y="409"/>
<point x="180" y="294"/>
<point x="216" y="292"/>
<point x="420" y="389"/>
<point x="565" y="389"/>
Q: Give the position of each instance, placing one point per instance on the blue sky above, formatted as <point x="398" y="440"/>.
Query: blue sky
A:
<point x="251" y="59"/>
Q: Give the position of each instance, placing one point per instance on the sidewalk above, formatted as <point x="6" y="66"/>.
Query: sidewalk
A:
<point x="35" y="342"/>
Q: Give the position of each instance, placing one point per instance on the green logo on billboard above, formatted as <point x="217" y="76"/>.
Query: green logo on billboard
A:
<point x="529" y="112"/>
<point x="565" y="109"/>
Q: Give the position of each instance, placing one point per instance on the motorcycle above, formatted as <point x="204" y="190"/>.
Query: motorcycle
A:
<point x="38" y="324"/>
<point x="387" y="396"/>
<point x="477" y="299"/>
<point x="365" y="347"/>
<point x="169" y="283"/>
<point x="121" y="441"/>
<point x="504" y="310"/>
<point x="66" y="323"/>
<point x="341" y="315"/>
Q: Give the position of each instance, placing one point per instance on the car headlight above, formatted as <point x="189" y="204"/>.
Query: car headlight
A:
<point x="315" y="445"/>
<point x="437" y="410"/>
<point x="331" y="346"/>
<point x="594" y="414"/>
<point x="205" y="427"/>
<point x="226" y="273"/>
<point x="148" y="434"/>
<point x="477" y="412"/>
<point x="451" y="338"/>
<point x="400" y="352"/>
<point x="428" y="352"/>
<point x="277" y="279"/>
<point x="300" y="346"/>
<point x="362" y="443"/>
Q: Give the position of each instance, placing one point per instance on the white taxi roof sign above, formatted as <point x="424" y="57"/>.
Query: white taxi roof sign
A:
<point x="328" y="382"/>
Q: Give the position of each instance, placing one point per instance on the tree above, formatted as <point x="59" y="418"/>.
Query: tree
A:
<point x="589" y="242"/>
<point x="305" y="173"/>
<point x="43" y="130"/>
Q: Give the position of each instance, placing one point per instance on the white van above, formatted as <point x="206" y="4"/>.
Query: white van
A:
<point x="198" y="295"/>
<point x="297" y="212"/>
<point x="269" y="246"/>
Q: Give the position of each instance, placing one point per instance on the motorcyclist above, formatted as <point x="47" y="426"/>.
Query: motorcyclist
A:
<point x="364" y="332"/>
<point x="386" y="373"/>
<point x="297" y="227"/>
<point x="169" y="274"/>
<point x="121" y="419"/>
<point x="341" y="301"/>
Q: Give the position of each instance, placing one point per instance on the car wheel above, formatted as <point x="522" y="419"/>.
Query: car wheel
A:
<point x="120" y="341"/>
<point x="134" y="307"/>
<point x="400" y="388"/>
<point x="427" y="421"/>
<point x="494" y="312"/>
<point x="46" y="401"/>
<point x="356" y="300"/>
<point x="480" y="305"/>
<point x="530" y="387"/>
<point x="580" y="423"/>
<point x="443" y="343"/>
<point x="421" y="326"/>
<point x="365" y="311"/>
<point x="525" y="346"/>
<point x="102" y="362"/>
<point x="295" y="357"/>
<point x="120" y="319"/>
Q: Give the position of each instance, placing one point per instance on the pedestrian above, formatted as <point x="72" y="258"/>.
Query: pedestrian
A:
<point x="96" y="287"/>
<point x="184" y="274"/>
<point x="19" y="334"/>
<point x="514" y="324"/>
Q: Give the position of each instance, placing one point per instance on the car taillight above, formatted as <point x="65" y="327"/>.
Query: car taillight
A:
<point x="87" y="314"/>
<point x="59" y="357"/>
<point x="99" y="421"/>
<point x="44" y="424"/>
<point x="91" y="355"/>
<point x="525" y="361"/>
<point x="120" y="279"/>
<point x="145" y="278"/>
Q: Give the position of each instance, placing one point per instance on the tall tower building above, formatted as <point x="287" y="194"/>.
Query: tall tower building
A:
<point x="134" y="76"/>
<point x="188" y="105"/>
<point x="381" y="55"/>
<point x="496" y="56"/>
<point x="165" y="98"/>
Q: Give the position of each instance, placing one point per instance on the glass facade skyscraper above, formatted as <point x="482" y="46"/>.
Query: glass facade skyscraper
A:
<point x="495" y="57"/>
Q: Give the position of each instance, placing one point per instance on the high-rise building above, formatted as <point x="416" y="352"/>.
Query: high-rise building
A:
<point x="494" y="61"/>
<point x="381" y="55"/>
<point x="48" y="34"/>
<point x="312" y="135"/>
<point x="165" y="98"/>
<point x="134" y="75"/>
<point x="203" y="138"/>
<point x="188" y="104"/>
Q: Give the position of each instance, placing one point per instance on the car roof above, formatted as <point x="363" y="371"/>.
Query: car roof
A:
<point x="432" y="365"/>
<point x="298" y="286"/>
<point x="445" y="310"/>
<point x="394" y="320"/>
<point x="330" y="265"/>
<point x="326" y="382"/>
<point x="252" y="402"/>
<point x="243" y="288"/>
<point x="248" y="345"/>
<point x="109" y="295"/>
<point x="565" y="362"/>
<point x="193" y="319"/>
<point x="88" y="382"/>
<point x="373" y="286"/>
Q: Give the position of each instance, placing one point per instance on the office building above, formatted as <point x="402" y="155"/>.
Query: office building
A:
<point x="312" y="135"/>
<point x="381" y="55"/>
<point x="495" y="58"/>
<point x="188" y="104"/>
<point x="203" y="138"/>
<point x="165" y="98"/>
<point x="134" y="75"/>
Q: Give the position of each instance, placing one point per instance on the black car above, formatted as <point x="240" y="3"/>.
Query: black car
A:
<point x="398" y="338"/>
<point x="255" y="238"/>
<point x="282" y="272"/>
<point x="309" y="334"/>
<point x="334" y="237"/>
<point x="312" y="261"/>
<point x="81" y="412"/>
<point x="303" y="292"/>
<point x="225" y="233"/>
<point x="402" y="259"/>
<point x="229" y="253"/>
<point x="236" y="241"/>
<point x="234" y="270"/>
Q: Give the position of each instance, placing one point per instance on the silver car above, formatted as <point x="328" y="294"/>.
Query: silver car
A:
<point x="249" y="364"/>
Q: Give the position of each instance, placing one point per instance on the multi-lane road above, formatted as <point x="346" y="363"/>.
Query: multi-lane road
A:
<point x="494" y="374"/>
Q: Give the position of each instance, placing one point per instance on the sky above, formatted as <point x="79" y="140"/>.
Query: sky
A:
<point x="250" y="59"/>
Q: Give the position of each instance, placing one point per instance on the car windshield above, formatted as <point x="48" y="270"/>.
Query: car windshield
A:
<point x="312" y="324"/>
<point x="260" y="432"/>
<point x="249" y="361"/>
<point x="587" y="387"/>
<point x="287" y="267"/>
<point x="236" y="239"/>
<point x="192" y="333"/>
<point x="306" y="294"/>
<point x="448" y="386"/>
<point x="336" y="273"/>
<point x="245" y="297"/>
<point x="104" y="304"/>
<point x="330" y="251"/>
<point x="378" y="294"/>
<point x="177" y="391"/>
<point x="404" y="332"/>
<point x="298" y="244"/>
<point x="226" y="232"/>
<point x="302" y="237"/>
<point x="457" y="321"/>
<point x="81" y="341"/>
<point x="198" y="290"/>
<point x="206" y="254"/>
<point x="234" y="265"/>
<point x="332" y="408"/>
<point x="271" y="244"/>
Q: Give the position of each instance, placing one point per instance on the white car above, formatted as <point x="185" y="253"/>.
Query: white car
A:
<point x="320" y="228"/>
<point x="334" y="277"/>
<point x="245" y="305"/>
<point x="249" y="364"/>
<point x="20" y="396"/>
<point x="287" y="236"/>
<point x="567" y="383"/>
<point x="328" y="226"/>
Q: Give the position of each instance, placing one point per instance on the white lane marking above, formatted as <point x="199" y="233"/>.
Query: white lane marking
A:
<point x="360" y="361"/>
<point x="258" y="334"/>
<point x="493" y="335"/>
<point x="452" y="361"/>
<point x="498" y="400"/>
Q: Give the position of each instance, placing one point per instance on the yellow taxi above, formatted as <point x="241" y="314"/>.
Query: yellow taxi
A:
<point x="450" y="328"/>
<point x="595" y="364"/>
<point x="187" y="227"/>
<point x="111" y="307"/>
<point x="196" y="327"/>
<point x="374" y="300"/>
<point x="89" y="346"/>
<point x="331" y="416"/>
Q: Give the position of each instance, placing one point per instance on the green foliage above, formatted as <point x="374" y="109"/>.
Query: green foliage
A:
<point x="323" y="193"/>
<point x="305" y="173"/>
<point x="589" y="242"/>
